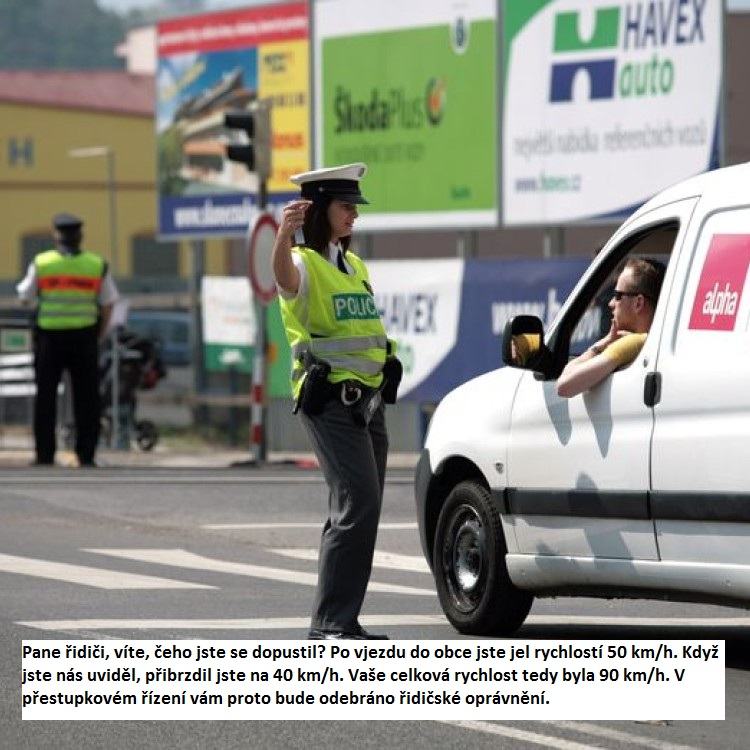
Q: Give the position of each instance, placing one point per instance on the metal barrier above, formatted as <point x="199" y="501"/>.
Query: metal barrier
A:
<point x="17" y="387"/>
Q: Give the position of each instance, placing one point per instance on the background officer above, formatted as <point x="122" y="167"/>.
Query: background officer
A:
<point x="75" y="293"/>
<point x="339" y="350"/>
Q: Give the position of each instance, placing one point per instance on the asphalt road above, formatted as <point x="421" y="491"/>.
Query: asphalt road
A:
<point x="234" y="555"/>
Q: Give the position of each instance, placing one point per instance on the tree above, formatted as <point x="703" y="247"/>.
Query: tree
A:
<point x="63" y="34"/>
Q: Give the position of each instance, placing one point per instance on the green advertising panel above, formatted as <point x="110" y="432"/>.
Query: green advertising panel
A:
<point x="412" y="92"/>
<point x="280" y="361"/>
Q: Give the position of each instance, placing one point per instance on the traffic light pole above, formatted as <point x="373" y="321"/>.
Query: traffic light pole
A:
<point x="255" y="154"/>
<point x="258" y="397"/>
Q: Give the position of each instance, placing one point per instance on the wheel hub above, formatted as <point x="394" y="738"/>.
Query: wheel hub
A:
<point x="467" y="555"/>
<point x="464" y="558"/>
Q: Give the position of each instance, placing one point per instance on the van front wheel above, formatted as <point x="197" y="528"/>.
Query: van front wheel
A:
<point x="472" y="580"/>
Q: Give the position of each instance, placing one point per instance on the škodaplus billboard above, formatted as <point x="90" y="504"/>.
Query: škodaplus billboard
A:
<point x="212" y="63"/>
<point x="606" y="103"/>
<point x="410" y="88"/>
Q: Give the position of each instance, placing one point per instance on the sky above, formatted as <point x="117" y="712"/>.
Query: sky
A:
<point x="125" y="5"/>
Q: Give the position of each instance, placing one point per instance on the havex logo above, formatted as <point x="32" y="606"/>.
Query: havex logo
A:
<point x="641" y="30"/>
<point x="722" y="280"/>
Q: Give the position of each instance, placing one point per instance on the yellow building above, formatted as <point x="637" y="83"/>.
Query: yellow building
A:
<point x="45" y="117"/>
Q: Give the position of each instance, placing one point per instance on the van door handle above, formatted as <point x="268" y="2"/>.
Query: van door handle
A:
<point x="652" y="389"/>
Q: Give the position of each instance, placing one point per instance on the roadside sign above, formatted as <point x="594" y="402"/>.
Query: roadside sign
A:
<point x="15" y="340"/>
<point x="260" y="244"/>
<point x="229" y="324"/>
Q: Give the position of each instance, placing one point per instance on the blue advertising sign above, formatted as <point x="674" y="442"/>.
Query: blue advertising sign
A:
<point x="448" y="316"/>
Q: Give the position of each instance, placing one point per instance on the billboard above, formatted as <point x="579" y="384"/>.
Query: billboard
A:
<point x="207" y="65"/>
<point x="410" y="88"/>
<point x="448" y="316"/>
<point x="606" y="103"/>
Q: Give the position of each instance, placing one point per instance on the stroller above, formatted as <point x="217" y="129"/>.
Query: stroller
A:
<point x="140" y="368"/>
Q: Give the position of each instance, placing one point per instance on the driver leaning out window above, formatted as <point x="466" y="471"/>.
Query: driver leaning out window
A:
<point x="633" y="304"/>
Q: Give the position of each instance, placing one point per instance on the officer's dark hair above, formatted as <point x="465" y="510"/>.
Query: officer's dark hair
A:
<point x="317" y="228"/>
<point x="648" y="275"/>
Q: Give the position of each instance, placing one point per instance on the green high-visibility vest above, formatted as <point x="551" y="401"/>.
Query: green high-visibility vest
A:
<point x="338" y="322"/>
<point x="68" y="289"/>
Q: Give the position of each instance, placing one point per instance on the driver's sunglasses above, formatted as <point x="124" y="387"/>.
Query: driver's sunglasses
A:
<point x="618" y="295"/>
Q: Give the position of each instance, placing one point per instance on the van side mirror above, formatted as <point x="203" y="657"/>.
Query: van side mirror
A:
<point x="524" y="347"/>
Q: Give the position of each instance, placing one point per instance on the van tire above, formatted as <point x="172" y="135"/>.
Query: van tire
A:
<point x="472" y="579"/>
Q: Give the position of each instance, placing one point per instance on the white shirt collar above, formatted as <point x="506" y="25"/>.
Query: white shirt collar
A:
<point x="334" y="248"/>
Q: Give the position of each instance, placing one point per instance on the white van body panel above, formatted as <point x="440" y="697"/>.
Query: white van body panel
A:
<point x="473" y="421"/>
<point x="702" y="431"/>
<point x="597" y="441"/>
<point x="685" y="580"/>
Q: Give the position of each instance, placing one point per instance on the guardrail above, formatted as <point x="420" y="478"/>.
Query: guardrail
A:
<point x="17" y="380"/>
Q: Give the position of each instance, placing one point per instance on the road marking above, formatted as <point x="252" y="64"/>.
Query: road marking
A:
<point x="86" y="576"/>
<point x="596" y="730"/>
<point x="180" y="558"/>
<point x="264" y="623"/>
<point x="316" y="525"/>
<point x="663" y="623"/>
<point x="519" y="734"/>
<point x="284" y="623"/>
<point x="390" y="560"/>
<point x="103" y="477"/>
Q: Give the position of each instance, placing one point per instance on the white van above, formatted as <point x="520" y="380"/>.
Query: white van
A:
<point x="639" y="487"/>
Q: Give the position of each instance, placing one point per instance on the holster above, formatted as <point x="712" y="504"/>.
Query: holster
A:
<point x="393" y="371"/>
<point x="316" y="389"/>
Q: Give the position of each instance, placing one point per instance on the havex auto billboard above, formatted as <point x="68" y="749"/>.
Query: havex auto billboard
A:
<point x="606" y="103"/>
<point x="214" y="63"/>
<point x="410" y="88"/>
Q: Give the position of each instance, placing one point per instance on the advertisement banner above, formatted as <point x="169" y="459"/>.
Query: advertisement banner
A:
<point x="419" y="303"/>
<point x="448" y="315"/>
<point x="410" y="88"/>
<point x="208" y="65"/>
<point x="606" y="103"/>
<point x="229" y="324"/>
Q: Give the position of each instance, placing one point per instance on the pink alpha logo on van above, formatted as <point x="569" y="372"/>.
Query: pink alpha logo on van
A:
<point x="722" y="280"/>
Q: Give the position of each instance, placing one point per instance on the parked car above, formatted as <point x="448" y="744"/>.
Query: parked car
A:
<point x="639" y="487"/>
<point x="171" y="328"/>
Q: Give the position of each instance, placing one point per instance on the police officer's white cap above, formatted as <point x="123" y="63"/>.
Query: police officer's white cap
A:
<point x="333" y="182"/>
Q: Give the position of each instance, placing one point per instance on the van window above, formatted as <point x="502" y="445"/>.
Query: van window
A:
<point x="592" y="312"/>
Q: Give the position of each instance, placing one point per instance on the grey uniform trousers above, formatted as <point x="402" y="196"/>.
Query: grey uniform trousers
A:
<point x="353" y="460"/>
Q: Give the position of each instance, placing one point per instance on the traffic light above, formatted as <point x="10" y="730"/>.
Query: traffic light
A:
<point x="255" y="121"/>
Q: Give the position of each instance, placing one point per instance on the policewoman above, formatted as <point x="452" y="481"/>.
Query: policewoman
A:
<point x="75" y="293"/>
<point x="342" y="371"/>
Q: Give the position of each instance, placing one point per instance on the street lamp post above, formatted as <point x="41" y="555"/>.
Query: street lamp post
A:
<point x="109" y="154"/>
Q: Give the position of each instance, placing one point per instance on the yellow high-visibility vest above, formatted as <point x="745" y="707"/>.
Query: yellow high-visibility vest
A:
<point x="68" y="289"/>
<point x="338" y="322"/>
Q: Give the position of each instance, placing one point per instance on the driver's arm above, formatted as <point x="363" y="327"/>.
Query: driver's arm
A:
<point x="594" y="365"/>
<point x="584" y="372"/>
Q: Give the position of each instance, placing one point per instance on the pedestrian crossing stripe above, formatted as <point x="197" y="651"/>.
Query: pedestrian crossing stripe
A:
<point x="389" y="560"/>
<point x="250" y="624"/>
<point x="87" y="576"/>
<point x="180" y="558"/>
<point x="671" y="627"/>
